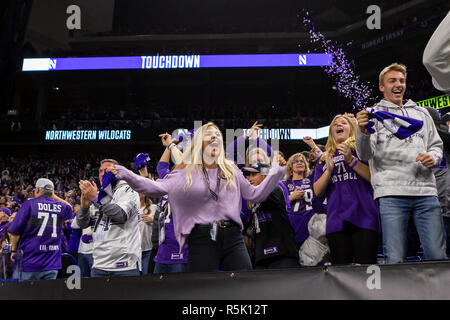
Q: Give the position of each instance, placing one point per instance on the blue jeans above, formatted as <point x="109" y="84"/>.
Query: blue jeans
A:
<point x="426" y="212"/>
<point x="447" y="233"/>
<point x="170" y="268"/>
<point x="97" y="273"/>
<point x="145" y="261"/>
<point x="37" y="275"/>
<point x="85" y="263"/>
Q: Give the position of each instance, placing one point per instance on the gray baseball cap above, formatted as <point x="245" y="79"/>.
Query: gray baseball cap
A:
<point x="45" y="184"/>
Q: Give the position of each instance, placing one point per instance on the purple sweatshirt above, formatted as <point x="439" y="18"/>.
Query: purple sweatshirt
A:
<point x="194" y="205"/>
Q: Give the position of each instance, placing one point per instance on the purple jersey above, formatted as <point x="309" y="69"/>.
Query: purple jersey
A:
<point x="169" y="250"/>
<point x="349" y="197"/>
<point x="319" y="204"/>
<point x="3" y="228"/>
<point x="302" y="209"/>
<point x="39" y="224"/>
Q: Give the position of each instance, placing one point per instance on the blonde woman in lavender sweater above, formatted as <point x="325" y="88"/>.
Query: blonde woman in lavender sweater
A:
<point x="205" y="193"/>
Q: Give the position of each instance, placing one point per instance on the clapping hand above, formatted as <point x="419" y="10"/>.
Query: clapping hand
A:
<point x="89" y="191"/>
<point x="297" y="194"/>
<point x="329" y="162"/>
<point x="345" y="150"/>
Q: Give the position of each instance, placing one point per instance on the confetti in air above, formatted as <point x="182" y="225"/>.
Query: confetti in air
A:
<point x="347" y="82"/>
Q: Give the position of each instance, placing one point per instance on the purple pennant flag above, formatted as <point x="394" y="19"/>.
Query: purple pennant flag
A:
<point x="402" y="127"/>
<point x="105" y="194"/>
<point x="140" y="161"/>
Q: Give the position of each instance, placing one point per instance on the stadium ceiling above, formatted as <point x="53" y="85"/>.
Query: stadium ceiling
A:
<point x="121" y="23"/>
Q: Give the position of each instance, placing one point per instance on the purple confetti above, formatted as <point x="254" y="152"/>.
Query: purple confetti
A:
<point x="348" y="83"/>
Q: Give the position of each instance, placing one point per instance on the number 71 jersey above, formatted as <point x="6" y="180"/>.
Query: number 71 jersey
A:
<point x="39" y="223"/>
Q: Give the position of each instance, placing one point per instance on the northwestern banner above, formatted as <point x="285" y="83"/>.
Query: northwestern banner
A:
<point x="179" y="62"/>
<point x="436" y="102"/>
<point x="84" y="135"/>
<point x="117" y="135"/>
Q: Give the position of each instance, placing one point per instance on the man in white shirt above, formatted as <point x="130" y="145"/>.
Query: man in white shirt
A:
<point x="116" y="236"/>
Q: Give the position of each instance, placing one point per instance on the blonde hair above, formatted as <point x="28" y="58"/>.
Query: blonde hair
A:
<point x="290" y="166"/>
<point x="260" y="151"/>
<point x="331" y="146"/>
<point x="147" y="203"/>
<point x="193" y="158"/>
<point x="396" y="67"/>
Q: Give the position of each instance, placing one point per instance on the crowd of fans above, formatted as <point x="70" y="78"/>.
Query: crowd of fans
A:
<point x="308" y="187"/>
<point x="160" y="117"/>
<point x="382" y="172"/>
<point x="18" y="176"/>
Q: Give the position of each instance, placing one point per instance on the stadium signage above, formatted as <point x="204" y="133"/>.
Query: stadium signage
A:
<point x="125" y="135"/>
<point x="292" y="134"/>
<point x="438" y="102"/>
<point x="179" y="62"/>
<point x="84" y="135"/>
<point x="382" y="39"/>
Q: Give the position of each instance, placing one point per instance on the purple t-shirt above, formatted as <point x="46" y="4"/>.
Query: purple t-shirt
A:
<point x="39" y="224"/>
<point x="302" y="209"/>
<point x="169" y="250"/>
<point x="349" y="197"/>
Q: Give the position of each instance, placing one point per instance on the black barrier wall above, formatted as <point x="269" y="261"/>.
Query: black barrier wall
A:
<point x="422" y="281"/>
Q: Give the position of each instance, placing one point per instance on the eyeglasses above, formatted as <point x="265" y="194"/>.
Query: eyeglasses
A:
<point x="297" y="161"/>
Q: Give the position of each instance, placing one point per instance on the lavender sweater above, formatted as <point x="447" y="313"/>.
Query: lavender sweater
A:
<point x="195" y="205"/>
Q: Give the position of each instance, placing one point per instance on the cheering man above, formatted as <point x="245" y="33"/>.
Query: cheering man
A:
<point x="401" y="174"/>
<point x="116" y="236"/>
<point x="37" y="232"/>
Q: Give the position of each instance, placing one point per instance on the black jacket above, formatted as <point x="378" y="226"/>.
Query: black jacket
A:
<point x="276" y="237"/>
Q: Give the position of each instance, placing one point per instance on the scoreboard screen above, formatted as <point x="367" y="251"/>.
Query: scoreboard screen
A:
<point x="179" y="62"/>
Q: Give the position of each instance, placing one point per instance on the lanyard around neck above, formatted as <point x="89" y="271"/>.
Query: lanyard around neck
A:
<point x="214" y="194"/>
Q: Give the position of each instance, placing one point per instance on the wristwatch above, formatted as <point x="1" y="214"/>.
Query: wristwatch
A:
<point x="171" y="145"/>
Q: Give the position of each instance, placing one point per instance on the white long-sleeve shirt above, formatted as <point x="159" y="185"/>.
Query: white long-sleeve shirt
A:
<point x="436" y="56"/>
